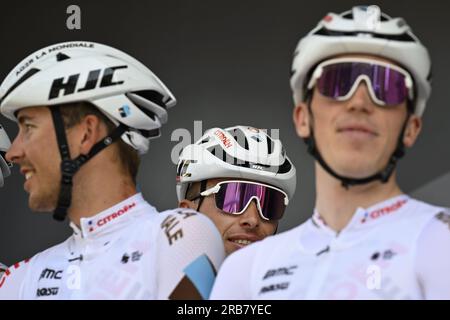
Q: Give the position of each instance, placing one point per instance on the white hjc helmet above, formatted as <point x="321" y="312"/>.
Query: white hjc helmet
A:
<point x="121" y="87"/>
<point x="125" y="90"/>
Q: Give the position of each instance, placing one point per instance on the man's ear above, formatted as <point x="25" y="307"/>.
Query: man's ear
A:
<point x="185" y="203"/>
<point x="90" y="131"/>
<point x="301" y="119"/>
<point x="412" y="130"/>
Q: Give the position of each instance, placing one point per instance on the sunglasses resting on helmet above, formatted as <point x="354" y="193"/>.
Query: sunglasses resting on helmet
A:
<point x="388" y="84"/>
<point x="234" y="196"/>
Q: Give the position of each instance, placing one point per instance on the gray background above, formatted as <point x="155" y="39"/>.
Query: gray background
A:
<point x="227" y="63"/>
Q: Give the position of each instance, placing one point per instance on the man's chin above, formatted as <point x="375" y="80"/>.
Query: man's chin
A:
<point x="356" y="172"/>
<point x="229" y="249"/>
<point x="355" y="164"/>
<point x="38" y="205"/>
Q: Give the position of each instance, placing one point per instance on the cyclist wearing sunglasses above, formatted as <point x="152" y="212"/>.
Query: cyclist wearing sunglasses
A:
<point x="241" y="179"/>
<point x="360" y="82"/>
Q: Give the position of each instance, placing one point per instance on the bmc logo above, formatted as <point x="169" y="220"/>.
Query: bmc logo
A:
<point x="283" y="271"/>
<point x="70" y="84"/>
<point x="51" y="274"/>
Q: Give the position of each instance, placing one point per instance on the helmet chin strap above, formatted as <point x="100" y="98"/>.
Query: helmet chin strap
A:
<point x="71" y="166"/>
<point x="347" y="182"/>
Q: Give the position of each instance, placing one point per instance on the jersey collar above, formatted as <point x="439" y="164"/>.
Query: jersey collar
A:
<point x="111" y="218"/>
<point x="369" y="216"/>
<point x="379" y="212"/>
<point x="318" y="237"/>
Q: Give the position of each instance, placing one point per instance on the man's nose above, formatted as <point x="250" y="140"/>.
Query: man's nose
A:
<point x="251" y="218"/>
<point x="361" y="99"/>
<point x="15" y="151"/>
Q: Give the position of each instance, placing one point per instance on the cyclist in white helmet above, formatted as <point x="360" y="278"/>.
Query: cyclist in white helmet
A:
<point x="85" y="112"/>
<point x="360" y="82"/>
<point x="225" y="170"/>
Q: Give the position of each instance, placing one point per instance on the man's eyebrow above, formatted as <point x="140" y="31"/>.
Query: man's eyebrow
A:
<point x="22" y="118"/>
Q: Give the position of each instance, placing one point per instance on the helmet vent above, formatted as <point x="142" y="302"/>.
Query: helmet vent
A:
<point x="61" y="57"/>
<point x="399" y="37"/>
<point x="348" y="15"/>
<point x="240" y="138"/>
<point x="285" y="167"/>
<point x="212" y="150"/>
<point x="153" y="96"/>
<point x="269" y="145"/>
<point x="219" y="153"/>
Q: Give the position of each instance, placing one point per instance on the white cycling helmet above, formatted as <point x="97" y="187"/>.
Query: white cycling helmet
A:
<point x="365" y="30"/>
<point x="121" y="87"/>
<point x="236" y="152"/>
<point x="124" y="89"/>
<point x="5" y="143"/>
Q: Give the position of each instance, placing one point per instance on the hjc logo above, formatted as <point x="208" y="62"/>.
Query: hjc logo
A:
<point x="69" y="85"/>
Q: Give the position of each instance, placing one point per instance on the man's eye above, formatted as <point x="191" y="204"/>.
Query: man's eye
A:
<point x="27" y="126"/>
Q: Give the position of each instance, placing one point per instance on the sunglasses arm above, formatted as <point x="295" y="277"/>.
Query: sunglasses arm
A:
<point x="409" y="84"/>
<point x="316" y="75"/>
<point x="210" y="191"/>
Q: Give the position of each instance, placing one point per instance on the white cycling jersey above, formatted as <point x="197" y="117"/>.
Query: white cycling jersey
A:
<point x="396" y="249"/>
<point x="129" y="251"/>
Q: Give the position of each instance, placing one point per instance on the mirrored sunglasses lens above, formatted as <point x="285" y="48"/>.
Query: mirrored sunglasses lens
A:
<point x="337" y="80"/>
<point x="233" y="197"/>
